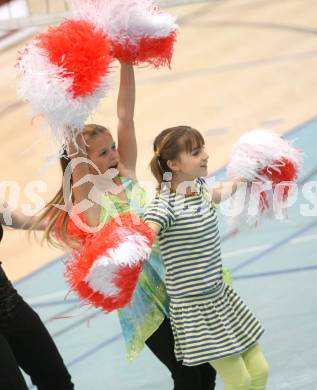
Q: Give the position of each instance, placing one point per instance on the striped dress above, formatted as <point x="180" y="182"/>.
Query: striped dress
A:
<point x="209" y="319"/>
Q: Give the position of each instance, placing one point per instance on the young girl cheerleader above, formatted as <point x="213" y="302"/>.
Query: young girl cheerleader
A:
<point x="145" y="319"/>
<point x="210" y="322"/>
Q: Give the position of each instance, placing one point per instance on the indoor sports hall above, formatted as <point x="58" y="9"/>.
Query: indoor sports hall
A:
<point x="237" y="65"/>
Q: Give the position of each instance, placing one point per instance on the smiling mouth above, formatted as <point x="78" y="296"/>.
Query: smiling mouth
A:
<point x="114" y="166"/>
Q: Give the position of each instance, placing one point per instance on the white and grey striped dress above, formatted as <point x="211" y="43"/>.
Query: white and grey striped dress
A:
<point x="209" y="319"/>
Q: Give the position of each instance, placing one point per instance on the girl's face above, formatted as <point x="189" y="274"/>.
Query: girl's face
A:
<point x="103" y="152"/>
<point x="189" y="166"/>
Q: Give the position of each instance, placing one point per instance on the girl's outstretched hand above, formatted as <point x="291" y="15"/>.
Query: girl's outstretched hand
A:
<point x="222" y="191"/>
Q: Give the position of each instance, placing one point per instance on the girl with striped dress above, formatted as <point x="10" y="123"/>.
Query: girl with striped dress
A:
<point x="210" y="322"/>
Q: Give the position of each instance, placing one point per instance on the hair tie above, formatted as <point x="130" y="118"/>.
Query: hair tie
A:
<point x="65" y="155"/>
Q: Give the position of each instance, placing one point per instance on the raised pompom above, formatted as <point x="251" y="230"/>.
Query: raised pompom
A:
<point x="105" y="272"/>
<point x="272" y="164"/>
<point x="63" y="74"/>
<point x="139" y="31"/>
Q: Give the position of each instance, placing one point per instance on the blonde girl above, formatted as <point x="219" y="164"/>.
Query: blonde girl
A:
<point x="145" y="319"/>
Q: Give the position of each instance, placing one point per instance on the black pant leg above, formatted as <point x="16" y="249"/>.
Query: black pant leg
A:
<point x="36" y="352"/>
<point x="208" y="376"/>
<point x="11" y="377"/>
<point x="161" y="343"/>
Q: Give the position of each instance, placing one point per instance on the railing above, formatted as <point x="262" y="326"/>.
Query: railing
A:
<point x="18" y="14"/>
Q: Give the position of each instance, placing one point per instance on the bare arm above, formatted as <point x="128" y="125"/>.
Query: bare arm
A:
<point x="127" y="145"/>
<point x="18" y="220"/>
<point x="154" y="227"/>
<point x="222" y="191"/>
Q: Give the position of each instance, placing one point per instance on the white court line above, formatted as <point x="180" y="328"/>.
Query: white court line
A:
<point x="259" y="248"/>
<point x="16" y="37"/>
<point x="310" y="237"/>
<point x="246" y="250"/>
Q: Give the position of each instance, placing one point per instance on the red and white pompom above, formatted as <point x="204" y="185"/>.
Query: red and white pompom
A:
<point x="140" y="32"/>
<point x="105" y="272"/>
<point x="272" y="164"/>
<point x="63" y="74"/>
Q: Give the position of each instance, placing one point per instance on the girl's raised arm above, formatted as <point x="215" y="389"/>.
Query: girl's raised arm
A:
<point x="127" y="145"/>
<point x="18" y="220"/>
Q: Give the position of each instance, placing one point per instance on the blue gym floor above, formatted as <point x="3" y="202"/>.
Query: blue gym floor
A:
<point x="275" y="271"/>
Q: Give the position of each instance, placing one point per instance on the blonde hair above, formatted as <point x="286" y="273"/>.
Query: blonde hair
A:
<point x="169" y="144"/>
<point x="54" y="234"/>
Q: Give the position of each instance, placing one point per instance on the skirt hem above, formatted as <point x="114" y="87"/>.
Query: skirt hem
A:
<point x="228" y="354"/>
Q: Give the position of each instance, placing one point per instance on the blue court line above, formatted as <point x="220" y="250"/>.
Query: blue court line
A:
<point x="55" y="303"/>
<point x="301" y="126"/>
<point x="288" y="133"/>
<point x="88" y="353"/>
<point x="308" y="176"/>
<point x="274" y="247"/>
<point x="95" y="349"/>
<point x="39" y="270"/>
<point x="77" y="323"/>
<point x="277" y="272"/>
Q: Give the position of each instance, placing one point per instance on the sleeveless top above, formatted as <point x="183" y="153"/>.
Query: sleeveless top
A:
<point x="149" y="304"/>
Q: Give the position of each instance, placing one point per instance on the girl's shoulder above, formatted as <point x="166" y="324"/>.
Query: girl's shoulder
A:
<point x="161" y="202"/>
<point x="160" y="198"/>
